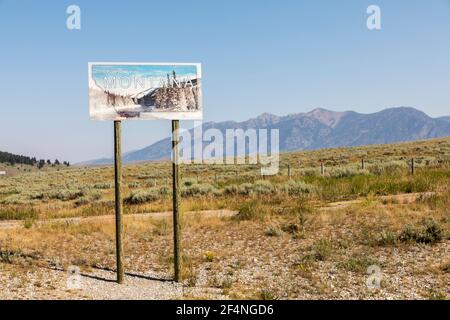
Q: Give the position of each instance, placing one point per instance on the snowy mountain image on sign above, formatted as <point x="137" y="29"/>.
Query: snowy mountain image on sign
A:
<point x="144" y="91"/>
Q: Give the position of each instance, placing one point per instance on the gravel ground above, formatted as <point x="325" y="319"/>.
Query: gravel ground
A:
<point x="48" y="280"/>
<point x="45" y="283"/>
<point x="226" y="260"/>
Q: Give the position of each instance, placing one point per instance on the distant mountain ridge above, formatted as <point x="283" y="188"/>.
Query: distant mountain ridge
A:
<point x="445" y="118"/>
<point x="321" y="128"/>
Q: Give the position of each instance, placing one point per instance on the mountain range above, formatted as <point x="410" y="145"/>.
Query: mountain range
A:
<point x="321" y="128"/>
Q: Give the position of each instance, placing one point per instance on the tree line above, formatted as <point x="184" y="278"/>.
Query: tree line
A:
<point x="13" y="159"/>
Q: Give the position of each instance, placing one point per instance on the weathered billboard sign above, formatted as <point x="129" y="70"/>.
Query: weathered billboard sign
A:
<point x="145" y="91"/>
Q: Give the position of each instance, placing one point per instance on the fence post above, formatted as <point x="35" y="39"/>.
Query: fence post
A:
<point x="176" y="201"/>
<point x="412" y="166"/>
<point x="289" y="171"/>
<point x="362" y="164"/>
<point x="118" y="198"/>
<point x="322" y="169"/>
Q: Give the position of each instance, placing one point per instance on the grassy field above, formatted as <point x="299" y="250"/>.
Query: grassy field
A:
<point x="304" y="236"/>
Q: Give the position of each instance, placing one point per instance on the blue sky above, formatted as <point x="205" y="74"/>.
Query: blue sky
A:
<point x="257" y="56"/>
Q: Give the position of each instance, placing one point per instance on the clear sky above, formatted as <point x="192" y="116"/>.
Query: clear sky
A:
<point x="257" y="56"/>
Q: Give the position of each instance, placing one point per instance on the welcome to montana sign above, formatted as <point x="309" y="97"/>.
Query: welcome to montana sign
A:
<point x="145" y="91"/>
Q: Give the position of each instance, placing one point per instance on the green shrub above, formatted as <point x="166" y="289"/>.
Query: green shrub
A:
<point x="8" y="256"/>
<point x="273" y="231"/>
<point x="242" y="189"/>
<point x="227" y="282"/>
<point x="296" y="188"/>
<point x="199" y="190"/>
<point x="28" y="223"/>
<point x="66" y="195"/>
<point x="164" y="191"/>
<point x="262" y="187"/>
<point x="89" y="197"/>
<point x="322" y="249"/>
<point x="14" y="199"/>
<point x="291" y="228"/>
<point x="387" y="238"/>
<point x="250" y="210"/>
<point x="343" y="172"/>
<point x="134" y="185"/>
<point x="359" y="263"/>
<point x="140" y="197"/>
<point x="209" y="256"/>
<point x="103" y="186"/>
<point x="310" y="172"/>
<point x="268" y="295"/>
<point x="187" y="182"/>
<point x="429" y="232"/>
<point x="245" y="189"/>
<point x="394" y="167"/>
<point x="231" y="189"/>
<point x="36" y="196"/>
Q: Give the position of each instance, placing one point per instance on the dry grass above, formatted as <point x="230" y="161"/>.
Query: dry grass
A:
<point x="289" y="240"/>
